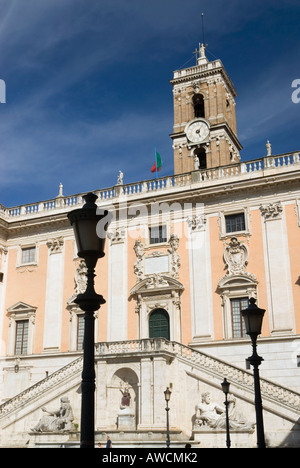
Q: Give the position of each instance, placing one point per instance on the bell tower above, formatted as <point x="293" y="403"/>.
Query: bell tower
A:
<point x="204" y="133"/>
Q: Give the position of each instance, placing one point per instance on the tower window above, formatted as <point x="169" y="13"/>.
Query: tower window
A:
<point x="201" y="155"/>
<point x="198" y="103"/>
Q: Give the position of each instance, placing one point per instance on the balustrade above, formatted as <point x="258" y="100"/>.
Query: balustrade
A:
<point x="206" y="176"/>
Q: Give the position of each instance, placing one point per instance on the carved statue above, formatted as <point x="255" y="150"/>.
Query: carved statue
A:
<point x="126" y="397"/>
<point x="120" y="178"/>
<point x="175" y="258"/>
<point x="208" y="412"/>
<point x="56" y="421"/>
<point x="138" y="266"/>
<point x="269" y="148"/>
<point x="211" y="414"/>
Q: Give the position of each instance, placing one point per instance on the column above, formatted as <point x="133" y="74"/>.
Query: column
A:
<point x="54" y="296"/>
<point x="277" y="265"/>
<point x="146" y="394"/>
<point x="117" y="295"/>
<point x="200" y="279"/>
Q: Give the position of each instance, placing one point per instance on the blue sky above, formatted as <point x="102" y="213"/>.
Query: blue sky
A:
<point x="88" y="91"/>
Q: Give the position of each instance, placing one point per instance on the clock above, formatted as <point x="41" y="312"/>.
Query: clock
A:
<point x="197" y="131"/>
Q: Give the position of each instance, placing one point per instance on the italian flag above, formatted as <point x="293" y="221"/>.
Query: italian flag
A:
<point x="158" y="163"/>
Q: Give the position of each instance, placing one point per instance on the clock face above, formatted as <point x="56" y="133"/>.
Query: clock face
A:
<point x="197" y="131"/>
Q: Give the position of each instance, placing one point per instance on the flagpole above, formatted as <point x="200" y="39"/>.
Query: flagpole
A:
<point x="155" y="164"/>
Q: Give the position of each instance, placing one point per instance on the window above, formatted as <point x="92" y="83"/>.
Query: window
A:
<point x="28" y="255"/>
<point x="198" y="103"/>
<point x="235" y="222"/>
<point x="158" y="234"/>
<point x="238" y="325"/>
<point x="22" y="327"/>
<point x="80" y="331"/>
<point x="159" y="324"/>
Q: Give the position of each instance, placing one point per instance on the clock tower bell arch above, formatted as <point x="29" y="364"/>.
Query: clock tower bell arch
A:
<point x="204" y="133"/>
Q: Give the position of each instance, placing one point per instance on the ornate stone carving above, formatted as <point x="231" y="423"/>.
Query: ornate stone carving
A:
<point x="80" y="277"/>
<point x="55" y="245"/>
<point x="271" y="211"/>
<point x="175" y="258"/>
<point x="237" y="278"/>
<point x="211" y="415"/>
<point x="236" y="257"/>
<point x="156" y="281"/>
<point x="138" y="266"/>
<point x="196" y="223"/>
<point x="117" y="236"/>
<point x="56" y="421"/>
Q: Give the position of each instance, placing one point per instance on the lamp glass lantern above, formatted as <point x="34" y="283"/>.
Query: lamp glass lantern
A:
<point x="225" y="386"/>
<point x="167" y="393"/>
<point x="84" y="222"/>
<point x="253" y="318"/>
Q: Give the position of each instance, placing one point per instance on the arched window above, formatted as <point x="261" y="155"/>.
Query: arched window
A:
<point x="159" y="326"/>
<point x="201" y="155"/>
<point x="198" y="103"/>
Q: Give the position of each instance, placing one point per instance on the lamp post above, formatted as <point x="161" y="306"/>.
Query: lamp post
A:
<point x="90" y="247"/>
<point x="167" y="393"/>
<point x="253" y="317"/>
<point x="225" y="387"/>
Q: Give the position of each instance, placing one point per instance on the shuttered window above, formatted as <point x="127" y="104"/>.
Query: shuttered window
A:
<point x="80" y="331"/>
<point x="238" y="325"/>
<point x="21" y="337"/>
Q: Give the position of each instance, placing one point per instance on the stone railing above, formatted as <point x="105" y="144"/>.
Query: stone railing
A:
<point x="42" y="386"/>
<point x="247" y="169"/>
<point x="212" y="365"/>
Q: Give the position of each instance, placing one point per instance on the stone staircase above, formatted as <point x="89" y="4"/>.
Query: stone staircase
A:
<point x="277" y="399"/>
<point x="272" y="392"/>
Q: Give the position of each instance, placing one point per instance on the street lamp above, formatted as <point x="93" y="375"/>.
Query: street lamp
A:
<point x="253" y="317"/>
<point x="167" y="393"/>
<point x="225" y="387"/>
<point x="90" y="247"/>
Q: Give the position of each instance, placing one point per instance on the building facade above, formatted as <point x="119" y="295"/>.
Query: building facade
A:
<point x="183" y="255"/>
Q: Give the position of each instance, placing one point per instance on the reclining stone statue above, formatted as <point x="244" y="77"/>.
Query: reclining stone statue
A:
<point x="56" y="421"/>
<point x="211" y="415"/>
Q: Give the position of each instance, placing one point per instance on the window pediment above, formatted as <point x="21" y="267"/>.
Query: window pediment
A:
<point x="237" y="281"/>
<point x="21" y="308"/>
<point x="156" y="283"/>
